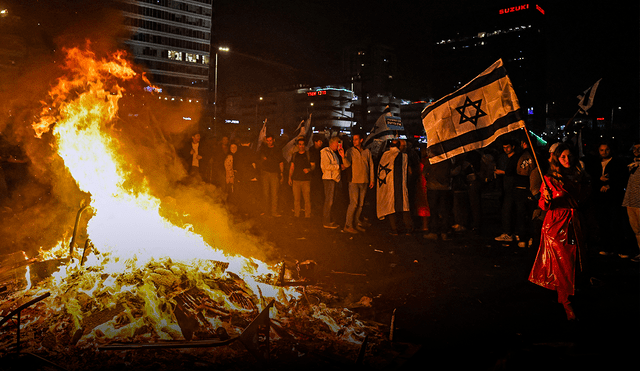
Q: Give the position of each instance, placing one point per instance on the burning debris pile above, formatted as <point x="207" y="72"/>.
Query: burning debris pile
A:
<point x="144" y="281"/>
<point x="92" y="315"/>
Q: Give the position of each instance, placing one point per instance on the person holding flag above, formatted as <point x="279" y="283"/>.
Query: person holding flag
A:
<point x="271" y="174"/>
<point x="302" y="131"/>
<point x="561" y="252"/>
<point x="262" y="136"/>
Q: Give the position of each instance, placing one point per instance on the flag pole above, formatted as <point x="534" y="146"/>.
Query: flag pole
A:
<point x="571" y="119"/>
<point x="535" y="157"/>
<point x="566" y="126"/>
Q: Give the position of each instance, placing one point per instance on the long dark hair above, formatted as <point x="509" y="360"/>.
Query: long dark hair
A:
<point x="574" y="171"/>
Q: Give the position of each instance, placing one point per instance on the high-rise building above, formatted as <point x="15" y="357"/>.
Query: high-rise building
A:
<point x="370" y="69"/>
<point x="514" y="33"/>
<point x="12" y="46"/>
<point x="20" y="46"/>
<point x="172" y="40"/>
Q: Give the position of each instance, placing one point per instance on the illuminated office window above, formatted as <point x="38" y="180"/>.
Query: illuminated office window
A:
<point x="176" y="56"/>
<point x="189" y="57"/>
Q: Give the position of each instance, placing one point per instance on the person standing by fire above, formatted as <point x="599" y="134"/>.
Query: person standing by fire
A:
<point x="271" y="173"/>
<point x="192" y="155"/>
<point x="561" y="249"/>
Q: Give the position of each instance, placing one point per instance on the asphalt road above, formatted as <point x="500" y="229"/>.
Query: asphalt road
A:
<point x="467" y="302"/>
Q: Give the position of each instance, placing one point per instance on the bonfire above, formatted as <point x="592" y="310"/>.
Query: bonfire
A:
<point x="142" y="279"/>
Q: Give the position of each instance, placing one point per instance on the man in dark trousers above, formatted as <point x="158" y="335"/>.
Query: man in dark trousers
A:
<point x="317" y="188"/>
<point x="271" y="173"/>
<point x="507" y="168"/>
<point x="300" y="178"/>
<point x="608" y="177"/>
<point x="246" y="176"/>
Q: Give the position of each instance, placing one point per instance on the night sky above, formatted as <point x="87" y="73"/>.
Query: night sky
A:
<point x="586" y="41"/>
<point x="283" y="42"/>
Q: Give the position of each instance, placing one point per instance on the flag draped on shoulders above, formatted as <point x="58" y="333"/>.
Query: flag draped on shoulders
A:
<point x="473" y="116"/>
<point x="302" y="131"/>
<point x="392" y="193"/>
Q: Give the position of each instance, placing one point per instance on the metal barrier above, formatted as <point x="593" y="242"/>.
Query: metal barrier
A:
<point x="17" y="312"/>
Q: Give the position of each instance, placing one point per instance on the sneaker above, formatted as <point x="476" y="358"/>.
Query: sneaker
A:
<point x="504" y="237"/>
<point x="459" y="228"/>
<point x="522" y="244"/>
<point x="331" y="225"/>
<point x="393" y="232"/>
<point x="636" y="259"/>
<point x="364" y="224"/>
<point x="350" y="230"/>
<point x="623" y="256"/>
<point x="606" y="253"/>
<point x="360" y="228"/>
<point x="431" y="236"/>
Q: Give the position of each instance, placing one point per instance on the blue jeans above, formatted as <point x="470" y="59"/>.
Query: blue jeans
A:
<point x="357" y="192"/>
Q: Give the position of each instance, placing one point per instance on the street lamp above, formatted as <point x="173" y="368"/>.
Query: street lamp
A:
<point x="257" y="103"/>
<point x="215" y="88"/>
<point x="612" y="110"/>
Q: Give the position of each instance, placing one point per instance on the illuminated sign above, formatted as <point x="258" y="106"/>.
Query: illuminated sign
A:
<point x="316" y="93"/>
<point x="235" y="122"/>
<point x="518" y="8"/>
<point x="153" y="89"/>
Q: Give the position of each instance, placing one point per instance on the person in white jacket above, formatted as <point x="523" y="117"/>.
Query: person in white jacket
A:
<point x="331" y="168"/>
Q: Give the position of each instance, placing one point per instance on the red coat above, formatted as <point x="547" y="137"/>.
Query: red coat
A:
<point x="561" y="240"/>
<point x="421" y="204"/>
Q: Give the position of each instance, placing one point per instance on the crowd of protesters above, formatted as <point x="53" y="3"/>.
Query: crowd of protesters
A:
<point x="332" y="178"/>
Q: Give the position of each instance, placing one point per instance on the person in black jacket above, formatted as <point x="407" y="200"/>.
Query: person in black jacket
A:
<point x="608" y="176"/>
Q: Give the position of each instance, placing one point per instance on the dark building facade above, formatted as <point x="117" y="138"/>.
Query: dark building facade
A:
<point x="369" y="71"/>
<point x="172" y="40"/>
<point x="514" y="32"/>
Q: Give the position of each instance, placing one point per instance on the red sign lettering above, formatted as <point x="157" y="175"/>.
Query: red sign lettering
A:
<point x="318" y="92"/>
<point x="514" y="9"/>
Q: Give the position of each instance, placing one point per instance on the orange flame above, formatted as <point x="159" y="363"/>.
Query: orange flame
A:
<point x="126" y="228"/>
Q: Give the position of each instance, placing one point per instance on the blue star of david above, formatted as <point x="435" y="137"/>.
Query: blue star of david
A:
<point x="478" y="112"/>
<point x="382" y="179"/>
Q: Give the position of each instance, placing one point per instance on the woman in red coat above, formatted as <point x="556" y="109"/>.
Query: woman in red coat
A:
<point x="561" y="243"/>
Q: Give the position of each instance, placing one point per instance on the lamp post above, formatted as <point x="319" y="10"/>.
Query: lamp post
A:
<point x="258" y="122"/>
<point x="215" y="89"/>
<point x="612" y="111"/>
